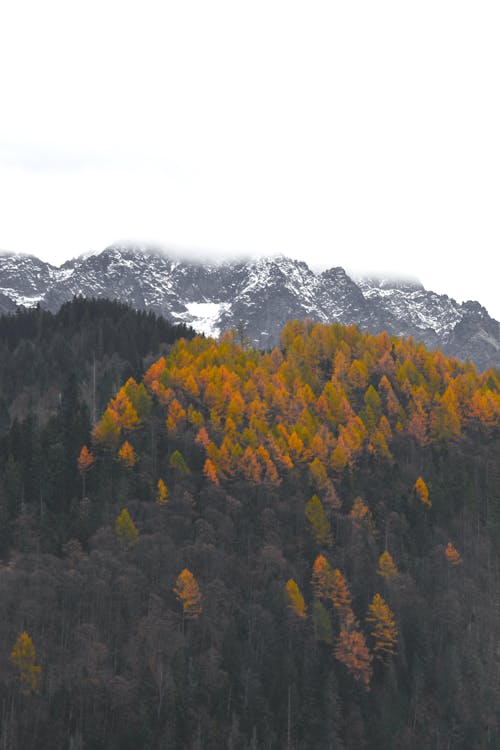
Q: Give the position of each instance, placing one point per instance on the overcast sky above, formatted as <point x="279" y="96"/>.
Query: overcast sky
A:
<point x="361" y="134"/>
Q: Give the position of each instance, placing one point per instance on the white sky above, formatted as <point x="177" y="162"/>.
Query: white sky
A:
<point x="361" y="134"/>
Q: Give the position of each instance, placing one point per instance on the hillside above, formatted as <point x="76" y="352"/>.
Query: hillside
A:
<point x="291" y="549"/>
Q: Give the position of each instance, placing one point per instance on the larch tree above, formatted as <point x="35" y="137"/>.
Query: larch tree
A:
<point x="315" y="514"/>
<point x="352" y="651"/>
<point x="188" y="594"/>
<point x="384" y="629"/>
<point x="85" y="461"/>
<point x="321" y="577"/>
<point x="126" y="530"/>
<point x="386" y="566"/>
<point x="422" y="493"/>
<point x="161" y="492"/>
<point x="127" y="455"/>
<point x="339" y="593"/>
<point x="24" y="657"/>
<point x="295" y="599"/>
<point x="452" y="555"/>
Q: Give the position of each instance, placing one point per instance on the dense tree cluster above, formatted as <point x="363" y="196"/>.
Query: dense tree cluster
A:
<point x="256" y="553"/>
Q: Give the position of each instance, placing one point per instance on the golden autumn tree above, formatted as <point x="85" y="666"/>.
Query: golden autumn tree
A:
<point x="295" y="599"/>
<point x="188" y="594"/>
<point x="126" y="530"/>
<point x="23" y="657"/>
<point x="315" y="514"/>
<point x="422" y="493"/>
<point x="352" y="651"/>
<point x="127" y="455"/>
<point x="161" y="492"/>
<point x="452" y="555"/>
<point x="85" y="461"/>
<point x="361" y="516"/>
<point x="386" y="566"/>
<point x="384" y="629"/>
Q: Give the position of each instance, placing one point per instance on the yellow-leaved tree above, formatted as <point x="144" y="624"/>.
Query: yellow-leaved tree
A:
<point x="386" y="566"/>
<point x="295" y="599"/>
<point x="126" y="530"/>
<point x="385" y="631"/>
<point x="162" y="492"/>
<point x="24" y="657"/>
<point x="422" y="493"/>
<point x="315" y="514"/>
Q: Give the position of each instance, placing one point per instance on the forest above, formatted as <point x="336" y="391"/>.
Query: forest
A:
<point x="208" y="546"/>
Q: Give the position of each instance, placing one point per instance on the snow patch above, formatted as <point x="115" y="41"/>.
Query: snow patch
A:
<point x="203" y="316"/>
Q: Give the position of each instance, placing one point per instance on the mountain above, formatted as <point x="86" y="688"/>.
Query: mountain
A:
<point x="261" y="293"/>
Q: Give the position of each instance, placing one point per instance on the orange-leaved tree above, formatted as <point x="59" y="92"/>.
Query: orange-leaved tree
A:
<point x="352" y="651"/>
<point x="85" y="461"/>
<point x="188" y="594"/>
<point x="24" y="657"/>
<point x="321" y="577"/>
<point x="452" y="554"/>
<point x="339" y="593"/>
<point x="127" y="455"/>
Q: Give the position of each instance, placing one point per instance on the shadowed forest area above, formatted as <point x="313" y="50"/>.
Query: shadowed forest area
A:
<point x="205" y="546"/>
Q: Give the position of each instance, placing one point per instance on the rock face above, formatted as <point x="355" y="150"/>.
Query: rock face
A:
<point x="262" y="294"/>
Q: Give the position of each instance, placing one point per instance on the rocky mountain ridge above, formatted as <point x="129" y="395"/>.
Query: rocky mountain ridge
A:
<point x="261" y="293"/>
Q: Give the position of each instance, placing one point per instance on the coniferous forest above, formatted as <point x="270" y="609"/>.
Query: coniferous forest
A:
<point x="206" y="546"/>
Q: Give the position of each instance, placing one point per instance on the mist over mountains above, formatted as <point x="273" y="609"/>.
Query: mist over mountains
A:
<point x="261" y="294"/>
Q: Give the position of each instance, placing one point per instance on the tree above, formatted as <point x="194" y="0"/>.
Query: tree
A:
<point x="352" y="651"/>
<point x="188" y="594"/>
<point x="422" y="493"/>
<point x="177" y="462"/>
<point x="127" y="455"/>
<point x="386" y="566"/>
<point x="321" y="577"/>
<point x="385" y="631"/>
<point x="315" y="514"/>
<point x="452" y="555"/>
<point x="126" y="530"/>
<point x="162" y="492"/>
<point x="295" y="599"/>
<point x="361" y="516"/>
<point x="339" y="592"/>
<point x="85" y="461"/>
<point x="24" y="657"/>
<point x="210" y="472"/>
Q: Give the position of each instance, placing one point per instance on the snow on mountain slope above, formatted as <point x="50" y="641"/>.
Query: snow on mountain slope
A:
<point x="262" y="294"/>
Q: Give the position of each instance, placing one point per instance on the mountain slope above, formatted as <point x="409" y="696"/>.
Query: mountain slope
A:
<point x="262" y="294"/>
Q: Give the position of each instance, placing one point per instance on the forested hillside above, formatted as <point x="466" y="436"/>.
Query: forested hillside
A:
<point x="292" y="549"/>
